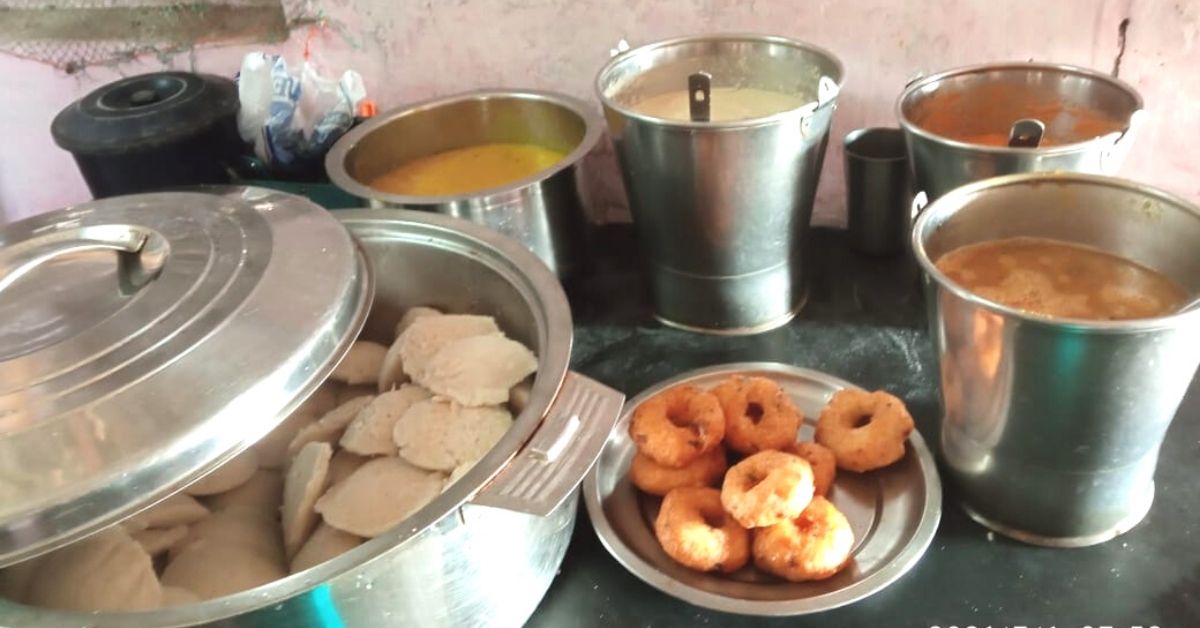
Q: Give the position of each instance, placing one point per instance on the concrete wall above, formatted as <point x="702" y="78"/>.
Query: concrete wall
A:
<point x="410" y="50"/>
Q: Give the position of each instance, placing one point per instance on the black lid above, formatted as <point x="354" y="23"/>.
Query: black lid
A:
<point x="145" y="111"/>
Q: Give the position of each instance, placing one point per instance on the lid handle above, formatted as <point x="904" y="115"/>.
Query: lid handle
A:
<point x="552" y="464"/>
<point x="129" y="241"/>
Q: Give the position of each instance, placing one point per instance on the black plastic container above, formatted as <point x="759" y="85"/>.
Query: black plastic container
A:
<point x="153" y="131"/>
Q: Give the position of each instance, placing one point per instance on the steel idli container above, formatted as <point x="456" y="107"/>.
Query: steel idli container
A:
<point x="126" y="377"/>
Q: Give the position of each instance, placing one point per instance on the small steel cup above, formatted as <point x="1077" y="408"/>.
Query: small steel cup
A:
<point x="878" y="194"/>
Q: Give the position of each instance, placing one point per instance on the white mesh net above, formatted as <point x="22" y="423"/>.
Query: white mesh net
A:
<point x="74" y="34"/>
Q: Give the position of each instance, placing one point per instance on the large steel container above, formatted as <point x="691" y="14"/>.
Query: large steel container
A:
<point x="722" y="208"/>
<point x="1052" y="427"/>
<point x="543" y="211"/>
<point x="484" y="552"/>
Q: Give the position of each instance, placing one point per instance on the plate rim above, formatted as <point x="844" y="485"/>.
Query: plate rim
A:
<point x="909" y="556"/>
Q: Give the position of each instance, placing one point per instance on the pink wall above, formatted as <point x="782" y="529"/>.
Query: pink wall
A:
<point x="410" y="50"/>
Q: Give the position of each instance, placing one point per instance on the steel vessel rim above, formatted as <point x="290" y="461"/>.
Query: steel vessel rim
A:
<point x="335" y="160"/>
<point x="853" y="136"/>
<point x="947" y="204"/>
<point x="912" y="128"/>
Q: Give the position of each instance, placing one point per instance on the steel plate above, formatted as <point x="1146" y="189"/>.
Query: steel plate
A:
<point x="894" y="513"/>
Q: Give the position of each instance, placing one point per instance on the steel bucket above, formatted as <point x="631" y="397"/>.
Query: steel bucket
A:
<point x="1091" y="120"/>
<point x="1051" y="427"/>
<point x="722" y="209"/>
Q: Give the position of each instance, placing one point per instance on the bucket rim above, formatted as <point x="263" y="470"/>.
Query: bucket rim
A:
<point x="937" y="212"/>
<point x="798" y="113"/>
<point x="916" y="84"/>
<point x="339" y="154"/>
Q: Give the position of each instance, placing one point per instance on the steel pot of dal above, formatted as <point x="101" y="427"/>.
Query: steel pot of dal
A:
<point x="957" y="123"/>
<point x="483" y="552"/>
<point x="1052" y="424"/>
<point x="539" y="205"/>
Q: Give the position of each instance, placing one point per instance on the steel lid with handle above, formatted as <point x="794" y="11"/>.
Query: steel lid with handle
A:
<point x="145" y="340"/>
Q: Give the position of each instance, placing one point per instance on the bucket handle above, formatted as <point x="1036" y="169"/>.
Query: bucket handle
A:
<point x="919" y="202"/>
<point x="827" y="92"/>
<point x="552" y="464"/>
<point x="1112" y="156"/>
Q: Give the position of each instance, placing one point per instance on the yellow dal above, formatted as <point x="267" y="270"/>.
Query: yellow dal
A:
<point x="467" y="169"/>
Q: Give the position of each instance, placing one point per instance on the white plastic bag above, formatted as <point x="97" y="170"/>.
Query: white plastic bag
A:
<point x="293" y="118"/>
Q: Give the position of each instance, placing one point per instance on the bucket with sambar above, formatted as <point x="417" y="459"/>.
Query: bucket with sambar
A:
<point x="960" y="124"/>
<point x="1064" y="312"/>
